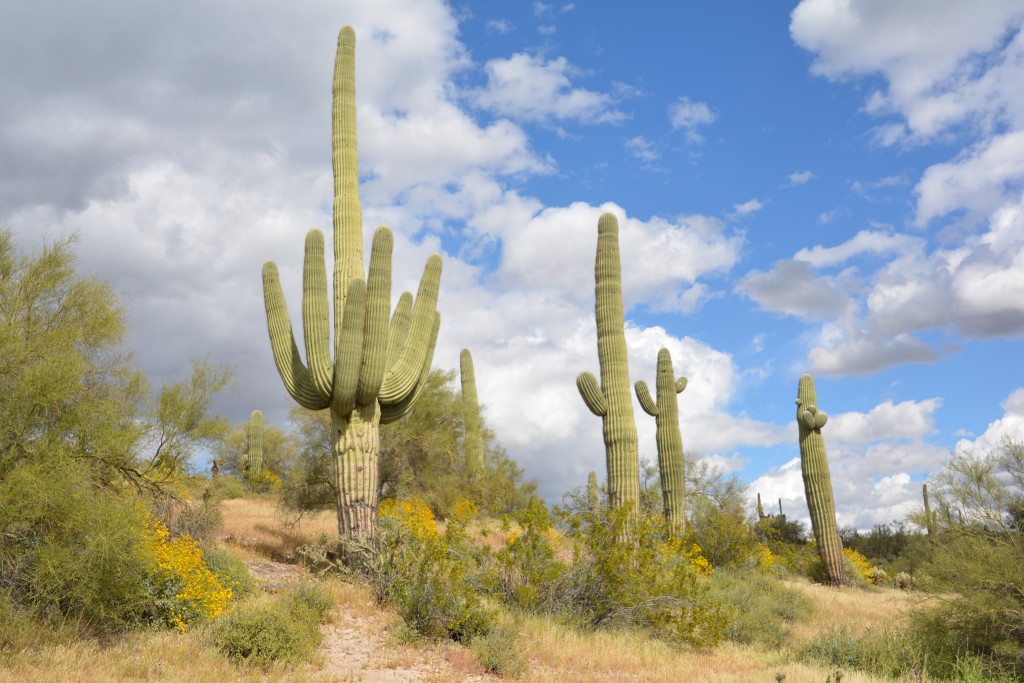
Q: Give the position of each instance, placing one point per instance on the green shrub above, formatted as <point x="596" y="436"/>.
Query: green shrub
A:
<point x="226" y="487"/>
<point x="282" y="628"/>
<point x="760" y="606"/>
<point x="524" y="568"/>
<point x="628" y="573"/>
<point x="428" y="576"/>
<point x="500" y="652"/>
<point x="230" y="570"/>
<point x="885" y="652"/>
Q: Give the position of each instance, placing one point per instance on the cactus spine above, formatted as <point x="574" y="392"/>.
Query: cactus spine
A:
<point x="929" y="520"/>
<point x="473" y="440"/>
<point x="254" y="449"/>
<point x="817" y="481"/>
<point x="379" y="368"/>
<point x="670" y="441"/>
<point x="611" y="401"/>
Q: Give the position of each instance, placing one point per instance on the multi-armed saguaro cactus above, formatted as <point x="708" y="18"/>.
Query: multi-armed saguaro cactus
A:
<point x="254" y="447"/>
<point x="473" y="440"/>
<point x="670" y="441"/>
<point x="611" y="401"/>
<point x="817" y="481"/>
<point x="378" y="368"/>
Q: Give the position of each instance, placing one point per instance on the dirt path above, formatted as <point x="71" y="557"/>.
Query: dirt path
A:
<point x="359" y="642"/>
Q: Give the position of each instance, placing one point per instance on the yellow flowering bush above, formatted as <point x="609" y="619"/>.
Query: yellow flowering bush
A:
<point x="860" y="563"/>
<point x="764" y="558"/>
<point x="184" y="588"/>
<point x="413" y="515"/>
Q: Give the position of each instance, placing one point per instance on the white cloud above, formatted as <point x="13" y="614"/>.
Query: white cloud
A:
<point x="867" y="354"/>
<point x="531" y="88"/>
<point x="791" y="287"/>
<point x="1010" y="425"/>
<point x="865" y="241"/>
<point x="642" y="148"/>
<point x="499" y="26"/>
<point x="748" y="207"/>
<point x="799" y="178"/>
<point x="904" y="420"/>
<point x="688" y="116"/>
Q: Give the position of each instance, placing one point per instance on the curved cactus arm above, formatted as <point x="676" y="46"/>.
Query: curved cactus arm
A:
<point x="396" y="411"/>
<point x="643" y="394"/>
<point x="294" y="374"/>
<point x="680" y="385"/>
<point x="401" y="378"/>
<point x="316" y="313"/>
<point x="398" y="330"/>
<point x="591" y="393"/>
<point x="378" y="308"/>
<point x="349" y="356"/>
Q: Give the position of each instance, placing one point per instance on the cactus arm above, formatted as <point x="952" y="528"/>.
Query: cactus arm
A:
<point x="316" y="314"/>
<point x="402" y="377"/>
<point x="255" y="445"/>
<point x="472" y="441"/>
<point x="294" y="374"/>
<point x="349" y="355"/>
<point x="643" y="394"/>
<point x="348" y="213"/>
<point x="396" y="411"/>
<point x="378" y="307"/>
<point x="593" y="493"/>
<point x="680" y="385"/>
<point x="592" y="394"/>
<point x="398" y="330"/>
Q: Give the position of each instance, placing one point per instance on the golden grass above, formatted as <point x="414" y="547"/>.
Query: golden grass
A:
<point x="854" y="610"/>
<point x="256" y="524"/>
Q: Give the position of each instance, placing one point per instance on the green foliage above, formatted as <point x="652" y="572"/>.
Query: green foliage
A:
<point x="884" y="651"/>
<point x="283" y="628"/>
<point x="500" y="652"/>
<point x="428" y="576"/>
<point x="230" y="571"/>
<point x="760" y="607"/>
<point x="527" y="566"/>
<point x="976" y="572"/>
<point x="629" y="573"/>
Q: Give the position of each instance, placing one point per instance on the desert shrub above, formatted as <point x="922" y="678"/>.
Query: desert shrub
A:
<point x="527" y="565"/>
<point x="230" y="571"/>
<point x="500" y="652"/>
<point x="427" y="575"/>
<point x="724" y="536"/>
<point x="628" y="573"/>
<point x="283" y="628"/>
<point x="181" y="585"/>
<point x="226" y="487"/>
<point x="759" y="606"/>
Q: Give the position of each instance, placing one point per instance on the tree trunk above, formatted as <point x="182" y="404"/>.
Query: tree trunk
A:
<point x="356" y="450"/>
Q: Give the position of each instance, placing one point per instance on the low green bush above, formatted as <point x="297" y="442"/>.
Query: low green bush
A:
<point x="282" y="628"/>
<point x="760" y="606"/>
<point x="230" y="570"/>
<point x="500" y="652"/>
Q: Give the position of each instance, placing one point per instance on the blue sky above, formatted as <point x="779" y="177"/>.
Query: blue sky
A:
<point x="827" y="186"/>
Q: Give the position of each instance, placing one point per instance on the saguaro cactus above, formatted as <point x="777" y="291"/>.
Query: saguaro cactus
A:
<point x="760" y="509"/>
<point x="378" y="368"/>
<point x="670" y="441"/>
<point x="611" y="401"/>
<point x="593" y="493"/>
<point x="928" y="518"/>
<point x="817" y="481"/>
<point x="254" y="447"/>
<point x="473" y="440"/>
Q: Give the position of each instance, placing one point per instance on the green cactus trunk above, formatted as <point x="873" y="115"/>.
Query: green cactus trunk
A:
<point x="379" y="366"/>
<point x="929" y="520"/>
<point x="473" y="440"/>
<point x="760" y="509"/>
<point x="670" y="440"/>
<point x="611" y="401"/>
<point x="254" y="450"/>
<point x="817" y="481"/>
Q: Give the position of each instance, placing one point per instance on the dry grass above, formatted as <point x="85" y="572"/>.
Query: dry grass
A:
<point x="256" y="524"/>
<point x="853" y="610"/>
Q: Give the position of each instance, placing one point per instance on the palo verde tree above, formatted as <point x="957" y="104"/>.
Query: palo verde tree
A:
<point x="378" y="368"/>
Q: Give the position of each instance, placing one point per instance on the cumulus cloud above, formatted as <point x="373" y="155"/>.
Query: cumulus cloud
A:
<point x="532" y="88"/>
<point x="865" y="241"/>
<point x="688" y="116"/>
<point x="793" y="288"/>
<point x="1009" y="426"/>
<point x="748" y="207"/>
<point x="799" y="178"/>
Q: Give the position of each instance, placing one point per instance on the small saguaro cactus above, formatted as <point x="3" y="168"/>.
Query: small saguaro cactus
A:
<point x="472" y="440"/>
<point x="611" y="400"/>
<point x="254" y="446"/>
<point x="593" y="493"/>
<point x="817" y="481"/>
<point x="379" y="368"/>
<point x="760" y="508"/>
<point x="670" y="440"/>
<point x="928" y="518"/>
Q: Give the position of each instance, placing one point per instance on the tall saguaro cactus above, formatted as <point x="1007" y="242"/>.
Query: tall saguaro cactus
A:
<point x="254" y="446"/>
<point x="473" y="440"/>
<point x="928" y="518"/>
<point x="817" y="481"/>
<point x="670" y="440"/>
<point x="378" y="367"/>
<point x="611" y="401"/>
